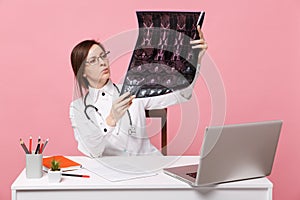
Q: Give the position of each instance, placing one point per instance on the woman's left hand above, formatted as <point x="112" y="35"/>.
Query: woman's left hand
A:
<point x="201" y="44"/>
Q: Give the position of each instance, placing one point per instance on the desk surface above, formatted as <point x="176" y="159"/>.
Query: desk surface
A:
<point x="159" y="181"/>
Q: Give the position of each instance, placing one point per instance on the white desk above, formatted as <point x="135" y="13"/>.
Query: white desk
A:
<point x="156" y="187"/>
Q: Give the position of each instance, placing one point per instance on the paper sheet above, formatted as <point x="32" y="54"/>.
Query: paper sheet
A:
<point x="119" y="172"/>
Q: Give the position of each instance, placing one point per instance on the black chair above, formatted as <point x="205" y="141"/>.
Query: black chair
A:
<point x="162" y="114"/>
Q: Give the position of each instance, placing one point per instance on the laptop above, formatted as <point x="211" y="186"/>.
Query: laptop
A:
<point x="231" y="153"/>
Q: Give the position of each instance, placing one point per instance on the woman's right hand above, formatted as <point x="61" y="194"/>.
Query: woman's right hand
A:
<point x="118" y="108"/>
<point x="200" y="44"/>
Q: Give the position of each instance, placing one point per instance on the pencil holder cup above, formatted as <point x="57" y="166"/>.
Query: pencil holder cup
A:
<point x="34" y="165"/>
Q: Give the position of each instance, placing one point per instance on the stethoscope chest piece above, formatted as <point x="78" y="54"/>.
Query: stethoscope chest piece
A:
<point x="131" y="131"/>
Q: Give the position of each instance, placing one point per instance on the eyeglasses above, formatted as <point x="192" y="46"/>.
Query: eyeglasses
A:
<point x="95" y="60"/>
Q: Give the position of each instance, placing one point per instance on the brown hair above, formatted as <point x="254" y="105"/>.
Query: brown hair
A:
<point x="78" y="58"/>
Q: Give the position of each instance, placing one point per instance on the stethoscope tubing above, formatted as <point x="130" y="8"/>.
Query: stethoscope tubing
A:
<point x="130" y="131"/>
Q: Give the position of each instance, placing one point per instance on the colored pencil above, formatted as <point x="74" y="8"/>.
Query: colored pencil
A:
<point x="30" y="144"/>
<point x="41" y="148"/>
<point x="38" y="146"/>
<point x="24" y="146"/>
<point x="76" y="175"/>
<point x="45" y="144"/>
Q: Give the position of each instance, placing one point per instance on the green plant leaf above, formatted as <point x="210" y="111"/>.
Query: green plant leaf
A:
<point x="55" y="165"/>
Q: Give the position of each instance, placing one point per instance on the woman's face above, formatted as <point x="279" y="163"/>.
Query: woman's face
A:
<point x="96" y="68"/>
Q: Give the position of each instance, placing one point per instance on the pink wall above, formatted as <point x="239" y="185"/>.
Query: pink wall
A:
<point x="254" y="44"/>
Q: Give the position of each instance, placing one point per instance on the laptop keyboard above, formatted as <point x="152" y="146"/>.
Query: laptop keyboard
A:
<point x="192" y="174"/>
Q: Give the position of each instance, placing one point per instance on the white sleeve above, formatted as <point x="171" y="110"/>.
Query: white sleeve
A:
<point x="179" y="96"/>
<point x="91" y="137"/>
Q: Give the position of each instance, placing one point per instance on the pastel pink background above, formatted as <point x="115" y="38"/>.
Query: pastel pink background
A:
<point x="254" y="44"/>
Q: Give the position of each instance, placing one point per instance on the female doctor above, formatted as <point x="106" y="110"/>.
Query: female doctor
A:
<point x="105" y="123"/>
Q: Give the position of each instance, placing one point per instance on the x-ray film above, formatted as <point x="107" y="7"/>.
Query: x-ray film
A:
<point x="163" y="60"/>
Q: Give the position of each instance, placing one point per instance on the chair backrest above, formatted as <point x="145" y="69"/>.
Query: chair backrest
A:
<point x="162" y="114"/>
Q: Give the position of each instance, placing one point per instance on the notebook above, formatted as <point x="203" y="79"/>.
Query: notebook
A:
<point x="232" y="153"/>
<point x="66" y="164"/>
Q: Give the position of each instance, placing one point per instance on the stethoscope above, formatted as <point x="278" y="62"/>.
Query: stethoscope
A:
<point x="131" y="130"/>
